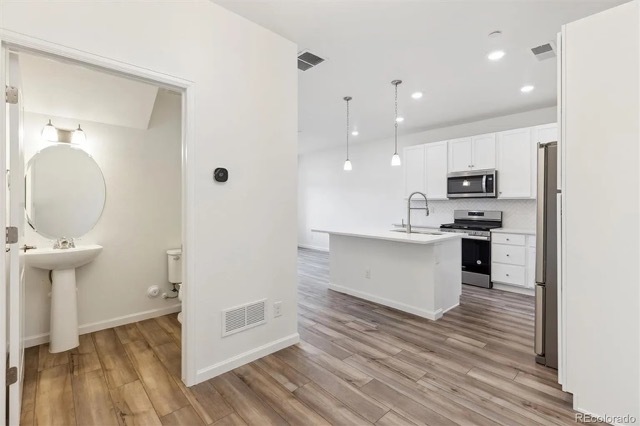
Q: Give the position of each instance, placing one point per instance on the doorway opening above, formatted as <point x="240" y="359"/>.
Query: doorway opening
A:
<point x="96" y="161"/>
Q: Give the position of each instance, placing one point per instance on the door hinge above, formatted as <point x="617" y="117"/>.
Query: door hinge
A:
<point x="11" y="94"/>
<point x="11" y="235"/>
<point x="12" y="375"/>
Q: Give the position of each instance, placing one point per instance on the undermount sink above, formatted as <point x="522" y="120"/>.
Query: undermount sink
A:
<point x="64" y="299"/>
<point x="57" y="259"/>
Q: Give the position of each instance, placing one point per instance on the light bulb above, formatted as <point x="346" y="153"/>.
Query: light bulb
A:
<point x="400" y="119"/>
<point x="347" y="166"/>
<point x="395" y="160"/>
<point x="496" y="55"/>
<point x="78" y="136"/>
<point x="50" y="133"/>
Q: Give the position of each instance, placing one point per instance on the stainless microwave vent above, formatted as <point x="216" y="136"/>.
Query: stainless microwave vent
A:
<point x="544" y="51"/>
<point x="307" y="60"/>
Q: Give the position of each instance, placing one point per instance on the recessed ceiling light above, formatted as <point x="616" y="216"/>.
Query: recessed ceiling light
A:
<point x="355" y="133"/>
<point x="526" y="89"/>
<point x="400" y="119"/>
<point x="496" y="55"/>
<point x="416" y="95"/>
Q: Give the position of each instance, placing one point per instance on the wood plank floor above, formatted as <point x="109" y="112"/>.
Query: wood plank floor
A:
<point x="358" y="364"/>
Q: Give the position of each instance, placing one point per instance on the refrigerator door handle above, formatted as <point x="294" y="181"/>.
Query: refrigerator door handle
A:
<point x="540" y="319"/>
<point x="541" y="215"/>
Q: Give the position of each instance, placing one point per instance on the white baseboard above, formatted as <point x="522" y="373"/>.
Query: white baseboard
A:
<point x="432" y="315"/>
<point x="245" y="358"/>
<point x="310" y="247"/>
<point x="39" y="339"/>
<point x="514" y="289"/>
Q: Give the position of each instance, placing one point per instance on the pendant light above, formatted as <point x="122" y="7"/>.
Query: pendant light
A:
<point x="395" y="160"/>
<point x="50" y="133"/>
<point x="347" y="163"/>
<point x="78" y="136"/>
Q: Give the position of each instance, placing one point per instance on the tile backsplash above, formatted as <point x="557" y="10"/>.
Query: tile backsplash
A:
<point x="515" y="213"/>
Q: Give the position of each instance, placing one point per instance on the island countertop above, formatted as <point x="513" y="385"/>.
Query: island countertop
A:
<point x="401" y="237"/>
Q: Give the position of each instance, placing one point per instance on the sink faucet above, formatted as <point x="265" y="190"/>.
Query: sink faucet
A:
<point x="64" y="243"/>
<point x="409" y="208"/>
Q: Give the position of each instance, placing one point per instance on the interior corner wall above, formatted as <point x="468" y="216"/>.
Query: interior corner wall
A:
<point x="372" y="194"/>
<point x="244" y="115"/>
<point x="140" y="221"/>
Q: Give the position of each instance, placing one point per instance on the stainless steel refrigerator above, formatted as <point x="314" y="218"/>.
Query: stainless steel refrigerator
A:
<point x="546" y="323"/>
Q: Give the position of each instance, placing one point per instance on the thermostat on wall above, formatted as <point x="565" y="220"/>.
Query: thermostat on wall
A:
<point x="221" y="174"/>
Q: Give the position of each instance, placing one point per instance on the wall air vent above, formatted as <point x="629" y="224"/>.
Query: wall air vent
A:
<point x="544" y="51"/>
<point x="307" y="60"/>
<point x="243" y="317"/>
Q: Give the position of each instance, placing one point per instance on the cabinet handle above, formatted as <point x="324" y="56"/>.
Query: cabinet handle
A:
<point x="507" y="274"/>
<point x="508" y="239"/>
<point x="508" y="255"/>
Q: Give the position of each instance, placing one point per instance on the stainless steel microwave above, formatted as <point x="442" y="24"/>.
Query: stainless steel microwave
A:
<point x="473" y="184"/>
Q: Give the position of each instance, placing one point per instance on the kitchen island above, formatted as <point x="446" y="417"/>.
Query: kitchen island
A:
<point x="419" y="273"/>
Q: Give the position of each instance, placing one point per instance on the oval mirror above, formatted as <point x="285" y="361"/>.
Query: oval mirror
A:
<point x="65" y="192"/>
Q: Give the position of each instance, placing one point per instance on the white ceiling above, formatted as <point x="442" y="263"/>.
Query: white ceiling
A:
<point x="60" y="89"/>
<point x="437" y="47"/>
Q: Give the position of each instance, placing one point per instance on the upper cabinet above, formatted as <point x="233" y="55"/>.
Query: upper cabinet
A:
<point x="460" y="157"/>
<point x="414" y="169"/>
<point x="484" y="152"/>
<point x="514" y="164"/>
<point x="436" y="170"/>
<point x="425" y="170"/>
<point x="474" y="153"/>
<point x="544" y="134"/>
<point x="512" y="153"/>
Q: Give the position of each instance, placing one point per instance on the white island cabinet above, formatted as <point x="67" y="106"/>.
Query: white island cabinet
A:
<point x="415" y="273"/>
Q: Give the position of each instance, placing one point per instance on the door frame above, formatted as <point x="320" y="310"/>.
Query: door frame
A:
<point x="21" y="43"/>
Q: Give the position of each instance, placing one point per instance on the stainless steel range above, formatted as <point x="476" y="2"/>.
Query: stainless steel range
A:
<point x="476" y="245"/>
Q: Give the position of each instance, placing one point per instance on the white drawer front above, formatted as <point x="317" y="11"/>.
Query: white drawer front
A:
<point x="513" y="255"/>
<point x="508" y="274"/>
<point x="512" y="239"/>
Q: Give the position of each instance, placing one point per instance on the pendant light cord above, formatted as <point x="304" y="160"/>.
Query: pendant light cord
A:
<point x="396" y="122"/>
<point x="348" y="129"/>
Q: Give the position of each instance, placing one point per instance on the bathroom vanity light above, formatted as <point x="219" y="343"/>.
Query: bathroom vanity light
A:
<point x="395" y="160"/>
<point x="78" y="136"/>
<point x="49" y="132"/>
<point x="347" y="164"/>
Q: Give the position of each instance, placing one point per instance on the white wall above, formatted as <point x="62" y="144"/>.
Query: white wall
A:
<point x="140" y="221"/>
<point x="245" y="118"/>
<point x="372" y="195"/>
<point x="601" y="110"/>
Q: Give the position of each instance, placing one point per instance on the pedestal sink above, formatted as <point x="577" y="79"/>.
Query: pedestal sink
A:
<point x="64" y="306"/>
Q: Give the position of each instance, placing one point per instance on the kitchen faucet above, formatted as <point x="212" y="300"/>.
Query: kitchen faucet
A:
<point x="409" y="208"/>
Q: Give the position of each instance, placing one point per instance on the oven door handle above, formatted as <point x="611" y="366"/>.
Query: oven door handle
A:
<point x="473" y="237"/>
<point x="484" y="184"/>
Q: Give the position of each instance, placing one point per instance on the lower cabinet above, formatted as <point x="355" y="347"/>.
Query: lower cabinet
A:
<point x="513" y="259"/>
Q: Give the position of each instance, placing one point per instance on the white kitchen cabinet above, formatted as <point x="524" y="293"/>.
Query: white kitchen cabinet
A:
<point x="460" y="157"/>
<point x="483" y="152"/>
<point x="513" y="259"/>
<point x="414" y="169"/>
<point x="474" y="153"/>
<point x="543" y="134"/>
<point x="514" y="164"/>
<point x="436" y="170"/>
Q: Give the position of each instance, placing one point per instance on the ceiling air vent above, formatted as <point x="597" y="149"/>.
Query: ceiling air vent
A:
<point x="243" y="317"/>
<point x="308" y="60"/>
<point x="545" y="51"/>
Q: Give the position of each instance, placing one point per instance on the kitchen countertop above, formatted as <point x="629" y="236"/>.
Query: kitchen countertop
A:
<point x="514" y="231"/>
<point x="401" y="237"/>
